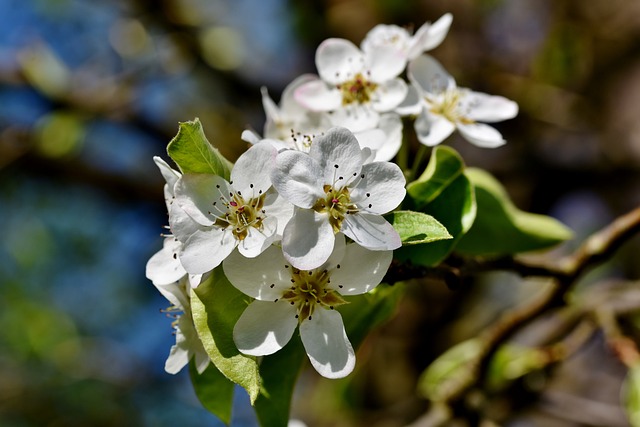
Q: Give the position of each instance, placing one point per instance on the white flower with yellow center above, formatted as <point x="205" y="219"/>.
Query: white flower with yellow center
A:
<point x="287" y="297"/>
<point x="245" y="213"/>
<point x="429" y="36"/>
<point x="442" y="107"/>
<point x="354" y="86"/>
<point x="335" y="191"/>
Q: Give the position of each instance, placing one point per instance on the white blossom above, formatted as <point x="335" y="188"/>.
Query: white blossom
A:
<point x="429" y="36"/>
<point x="442" y="107"/>
<point x="334" y="191"/>
<point x="287" y="297"/>
<point x="245" y="213"/>
<point x="354" y="86"/>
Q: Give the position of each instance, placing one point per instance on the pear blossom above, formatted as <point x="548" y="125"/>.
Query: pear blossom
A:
<point x="335" y="191"/>
<point x="354" y="86"/>
<point x="287" y="297"/>
<point x="442" y="107"/>
<point x="429" y="36"/>
<point x="188" y="344"/>
<point x="245" y="213"/>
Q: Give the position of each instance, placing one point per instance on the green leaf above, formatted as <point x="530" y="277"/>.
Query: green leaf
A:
<point x="214" y="391"/>
<point x="444" y="167"/>
<point x="417" y="227"/>
<point x="631" y="395"/>
<point x="513" y="361"/>
<point x="501" y="228"/>
<point x="279" y="374"/>
<point x="216" y="306"/>
<point x="193" y="153"/>
<point x="452" y="366"/>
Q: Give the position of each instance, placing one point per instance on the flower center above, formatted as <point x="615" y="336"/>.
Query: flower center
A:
<point x="310" y="289"/>
<point x="337" y="204"/>
<point x="449" y="106"/>
<point x="238" y="214"/>
<point x="358" y="90"/>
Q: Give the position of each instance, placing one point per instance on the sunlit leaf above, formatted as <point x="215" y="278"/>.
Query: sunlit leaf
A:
<point x="279" y="374"/>
<point x="193" y="153"/>
<point x="448" y="369"/>
<point x="214" y="391"/>
<point x="417" y="227"/>
<point x="501" y="228"/>
<point x="444" y="167"/>
<point x="631" y="395"/>
<point x="513" y="361"/>
<point x="216" y="306"/>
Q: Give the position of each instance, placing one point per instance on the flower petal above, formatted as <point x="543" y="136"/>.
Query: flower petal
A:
<point x="289" y="106"/>
<point x="316" y="95"/>
<point x="195" y="194"/>
<point x="489" y="108"/>
<point x="338" y="154"/>
<point x="371" y="231"/>
<point x="384" y="63"/>
<point x="429" y="36"/>
<point x="338" y="60"/>
<point x="432" y="129"/>
<point x="205" y="249"/>
<point x="254" y="276"/>
<point x="355" y="117"/>
<point x="170" y="175"/>
<point x="481" y="135"/>
<point x="381" y="189"/>
<point x="391" y="125"/>
<point x="429" y="76"/>
<point x="251" y="175"/>
<point x="327" y="345"/>
<point x="256" y="240"/>
<point x="389" y="95"/>
<point x="308" y="239"/>
<point x="178" y="355"/>
<point x="278" y="207"/>
<point x="360" y="270"/>
<point x="164" y="266"/>
<point x="182" y="225"/>
<point x="298" y="178"/>
<point x="264" y="327"/>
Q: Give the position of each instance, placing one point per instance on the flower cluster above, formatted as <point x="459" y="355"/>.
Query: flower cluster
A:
<point x="299" y="225"/>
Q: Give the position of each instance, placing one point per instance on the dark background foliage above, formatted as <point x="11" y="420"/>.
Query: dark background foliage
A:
<point x="90" y="91"/>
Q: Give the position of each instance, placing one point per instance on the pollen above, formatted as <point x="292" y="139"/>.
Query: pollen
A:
<point x="357" y="90"/>
<point x="309" y="291"/>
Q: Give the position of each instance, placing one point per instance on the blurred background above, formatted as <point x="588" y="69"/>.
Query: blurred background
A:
<point x="91" y="91"/>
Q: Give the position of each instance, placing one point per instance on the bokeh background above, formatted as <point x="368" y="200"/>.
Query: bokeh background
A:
<point x="90" y="91"/>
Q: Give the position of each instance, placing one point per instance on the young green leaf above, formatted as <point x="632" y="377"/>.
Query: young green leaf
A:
<point x="444" y="167"/>
<point x="501" y="228"/>
<point x="216" y="306"/>
<point x="631" y="395"/>
<point x="417" y="227"/>
<point x="214" y="391"/>
<point x="279" y="374"/>
<point x="193" y="153"/>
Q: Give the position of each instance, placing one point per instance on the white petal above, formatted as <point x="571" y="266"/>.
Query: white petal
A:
<point x="432" y="129"/>
<point x="386" y="35"/>
<point x="205" y="249"/>
<point x="182" y="225"/>
<point x="298" y="178"/>
<point x="338" y="60"/>
<point x="389" y="95"/>
<point x="429" y="36"/>
<point x="202" y="360"/>
<point x="289" y="106"/>
<point x="271" y="110"/>
<point x="382" y="188"/>
<point x="360" y="270"/>
<point x="489" y="108"/>
<point x="481" y="135"/>
<point x="384" y="63"/>
<point x="250" y="136"/>
<point x="316" y="95"/>
<point x="338" y="154"/>
<point x="254" y="276"/>
<point x="170" y="175"/>
<point x="412" y="103"/>
<point x="308" y="239"/>
<point x="195" y="193"/>
<point x="327" y="345"/>
<point x="337" y="254"/>
<point x="355" y="117"/>
<point x="176" y="294"/>
<point x="195" y="280"/>
<point x="371" y="231"/>
<point x="164" y="266"/>
<point x="256" y="240"/>
<point x="265" y="327"/>
<point x="391" y="125"/>
<point x="278" y="207"/>
<point x="251" y="175"/>
<point x="373" y="139"/>
<point x="429" y="76"/>
<point x="178" y="355"/>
